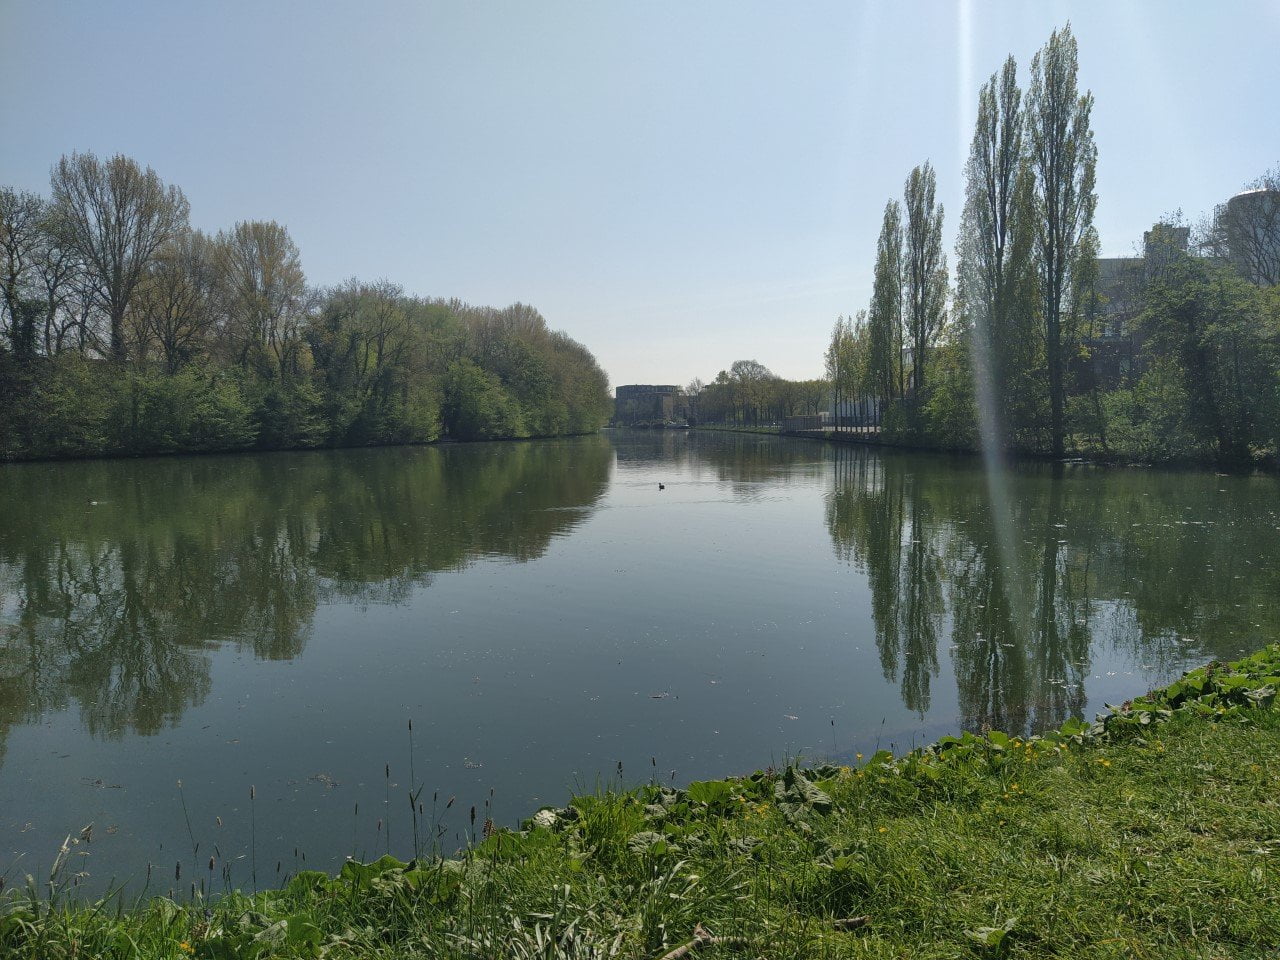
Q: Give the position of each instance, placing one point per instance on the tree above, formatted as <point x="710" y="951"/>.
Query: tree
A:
<point x="924" y="271"/>
<point x="1246" y="229"/>
<point x="22" y="228"/>
<point x="1063" y="156"/>
<point x="176" y="302"/>
<point x="1212" y="326"/>
<point x="750" y="379"/>
<point x="266" y="294"/>
<point x="996" y="271"/>
<point x="884" y="319"/>
<point x="836" y="367"/>
<point x="692" y="392"/>
<point x="116" y="217"/>
<point x="60" y="282"/>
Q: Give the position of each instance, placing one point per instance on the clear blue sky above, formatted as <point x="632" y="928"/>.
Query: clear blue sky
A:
<point x="677" y="185"/>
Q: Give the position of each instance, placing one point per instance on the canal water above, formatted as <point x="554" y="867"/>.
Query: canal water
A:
<point x="223" y="656"/>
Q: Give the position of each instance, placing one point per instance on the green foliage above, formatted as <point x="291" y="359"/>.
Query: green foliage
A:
<point x="191" y="411"/>
<point x="1149" y="421"/>
<point x="287" y="413"/>
<point x="476" y="407"/>
<point x="950" y="412"/>
<point x="62" y="410"/>
<point x="204" y="342"/>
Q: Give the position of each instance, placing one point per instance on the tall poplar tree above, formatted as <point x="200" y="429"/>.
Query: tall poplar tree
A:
<point x="924" y="270"/>
<point x="884" y="319"/>
<point x="1063" y="155"/>
<point x="996" y="270"/>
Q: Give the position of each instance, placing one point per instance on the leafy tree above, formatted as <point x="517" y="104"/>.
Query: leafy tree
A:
<point x="1213" y="328"/>
<point x="477" y="408"/>
<point x="885" y="366"/>
<point x="996" y="271"/>
<point x="1063" y="156"/>
<point x="924" y="272"/>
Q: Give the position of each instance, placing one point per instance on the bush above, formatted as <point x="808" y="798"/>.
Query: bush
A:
<point x="191" y="410"/>
<point x="287" y="413"/>
<point x="60" y="409"/>
<point x="1150" y="421"/>
<point x="477" y="408"/>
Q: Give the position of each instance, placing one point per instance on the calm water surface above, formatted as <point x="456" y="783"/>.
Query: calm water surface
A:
<point x="543" y="612"/>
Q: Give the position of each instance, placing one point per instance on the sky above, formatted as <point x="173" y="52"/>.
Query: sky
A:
<point x="676" y="185"/>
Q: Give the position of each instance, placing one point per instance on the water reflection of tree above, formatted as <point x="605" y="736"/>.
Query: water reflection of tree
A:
<point x="1019" y="608"/>
<point x="118" y="579"/>
<point x="744" y="461"/>
<point x="880" y="521"/>
<point x="1132" y="558"/>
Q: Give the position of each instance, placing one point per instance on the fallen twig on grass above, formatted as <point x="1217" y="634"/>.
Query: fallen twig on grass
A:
<point x="702" y="938"/>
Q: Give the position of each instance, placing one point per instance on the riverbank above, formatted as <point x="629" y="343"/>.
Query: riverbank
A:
<point x="873" y="438"/>
<point x="1152" y="833"/>
<point x="323" y="448"/>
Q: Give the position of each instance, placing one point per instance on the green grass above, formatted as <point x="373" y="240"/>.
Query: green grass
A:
<point x="1152" y="834"/>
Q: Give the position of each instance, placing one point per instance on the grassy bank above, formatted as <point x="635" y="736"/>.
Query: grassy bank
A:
<point x="1153" y="833"/>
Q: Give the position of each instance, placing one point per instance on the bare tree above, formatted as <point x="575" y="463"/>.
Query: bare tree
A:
<point x="1246" y="230"/>
<point x="266" y="293"/>
<point x="1064" y="157"/>
<point x="59" y="278"/>
<point x="22" y="228"/>
<point x="692" y="391"/>
<point x="175" y="306"/>
<point x="116" y="216"/>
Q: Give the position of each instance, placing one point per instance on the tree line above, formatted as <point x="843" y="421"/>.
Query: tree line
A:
<point x="749" y="394"/>
<point x="124" y="330"/>
<point x="1012" y="355"/>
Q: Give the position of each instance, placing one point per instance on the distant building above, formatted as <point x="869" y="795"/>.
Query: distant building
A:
<point x="649" y="403"/>
<point x="865" y="411"/>
<point x="1115" y="345"/>
<point x="1252" y="222"/>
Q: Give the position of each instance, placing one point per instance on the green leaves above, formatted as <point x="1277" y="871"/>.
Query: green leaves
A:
<point x="712" y="793"/>
<point x="992" y="936"/>
<point x="799" y="798"/>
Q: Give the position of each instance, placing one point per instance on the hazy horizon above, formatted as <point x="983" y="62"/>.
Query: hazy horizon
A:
<point x="675" y="187"/>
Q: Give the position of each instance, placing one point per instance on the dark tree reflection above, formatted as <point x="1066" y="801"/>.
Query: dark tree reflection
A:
<point x="1160" y="566"/>
<point x="119" y="579"/>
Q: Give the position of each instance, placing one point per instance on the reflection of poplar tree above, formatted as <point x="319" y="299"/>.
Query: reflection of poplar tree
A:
<point x="1061" y="637"/>
<point x="869" y="515"/>
<point x="922" y="610"/>
<point x="989" y="657"/>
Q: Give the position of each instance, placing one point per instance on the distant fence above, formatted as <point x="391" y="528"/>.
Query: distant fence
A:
<point x="807" y="422"/>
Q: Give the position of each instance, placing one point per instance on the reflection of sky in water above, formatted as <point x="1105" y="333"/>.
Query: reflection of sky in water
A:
<point x="543" y="611"/>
